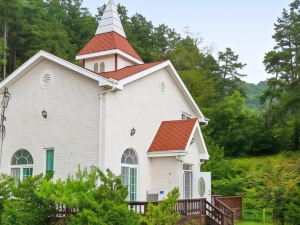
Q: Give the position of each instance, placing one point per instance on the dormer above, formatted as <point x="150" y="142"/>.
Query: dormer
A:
<point x="108" y="50"/>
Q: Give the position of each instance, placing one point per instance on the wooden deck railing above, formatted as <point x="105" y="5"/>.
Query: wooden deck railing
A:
<point x="214" y="216"/>
<point x="220" y="212"/>
<point x="235" y="203"/>
<point x="228" y="212"/>
<point x="186" y="207"/>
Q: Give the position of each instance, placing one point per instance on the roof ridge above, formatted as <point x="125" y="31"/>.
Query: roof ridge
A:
<point x="126" y="67"/>
<point x="114" y="40"/>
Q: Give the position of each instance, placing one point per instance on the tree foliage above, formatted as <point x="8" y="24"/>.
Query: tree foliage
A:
<point x="97" y="204"/>
<point x="283" y="94"/>
<point x="163" y="213"/>
<point x="22" y="205"/>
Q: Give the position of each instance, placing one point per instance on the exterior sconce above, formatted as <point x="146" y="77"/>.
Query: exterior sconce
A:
<point x="44" y="113"/>
<point x="132" y="132"/>
<point x="6" y="97"/>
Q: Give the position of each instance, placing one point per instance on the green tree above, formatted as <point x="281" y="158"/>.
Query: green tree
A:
<point x="163" y="213"/>
<point x="98" y="204"/>
<point x="9" y="10"/>
<point x="24" y="206"/>
<point x="186" y="54"/>
<point x="230" y="70"/>
<point x="5" y="191"/>
<point x="280" y="203"/>
<point x="284" y="62"/>
<point x="292" y="214"/>
<point x="272" y="64"/>
<point x="2" y="60"/>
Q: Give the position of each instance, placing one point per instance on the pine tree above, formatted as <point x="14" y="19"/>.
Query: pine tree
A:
<point x="230" y="70"/>
<point x="284" y="88"/>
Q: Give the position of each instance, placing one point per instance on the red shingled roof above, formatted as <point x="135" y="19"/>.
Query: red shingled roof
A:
<point x="128" y="71"/>
<point x="172" y="135"/>
<point x="108" y="41"/>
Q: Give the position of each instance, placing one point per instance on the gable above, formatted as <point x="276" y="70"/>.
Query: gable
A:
<point x="37" y="58"/>
<point x="156" y="69"/>
<point x="197" y="147"/>
<point x="58" y="79"/>
<point x="173" y="135"/>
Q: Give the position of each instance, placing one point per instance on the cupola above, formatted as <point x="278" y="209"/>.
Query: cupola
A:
<point x="108" y="50"/>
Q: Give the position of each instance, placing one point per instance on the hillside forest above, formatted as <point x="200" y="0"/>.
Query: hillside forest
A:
<point x="253" y="134"/>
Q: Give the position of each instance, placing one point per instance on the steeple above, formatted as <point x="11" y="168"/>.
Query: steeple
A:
<point x="110" y="20"/>
<point x="108" y="50"/>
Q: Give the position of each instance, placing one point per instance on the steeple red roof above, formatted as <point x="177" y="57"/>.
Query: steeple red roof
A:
<point x="108" y="41"/>
<point x="129" y="71"/>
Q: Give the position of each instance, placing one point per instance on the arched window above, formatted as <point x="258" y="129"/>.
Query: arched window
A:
<point x="96" y="69"/>
<point x="129" y="157"/>
<point x="21" y="164"/>
<point x="129" y="173"/>
<point x="102" y="67"/>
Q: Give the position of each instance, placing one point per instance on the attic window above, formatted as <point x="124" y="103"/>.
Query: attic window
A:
<point x="96" y="69"/>
<point x="46" y="79"/>
<point x="187" y="167"/>
<point x="102" y="67"/>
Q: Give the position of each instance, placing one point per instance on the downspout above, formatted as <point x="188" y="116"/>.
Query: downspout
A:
<point x="102" y="120"/>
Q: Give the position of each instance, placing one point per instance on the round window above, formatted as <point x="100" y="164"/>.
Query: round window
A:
<point x="201" y="187"/>
<point x="46" y="79"/>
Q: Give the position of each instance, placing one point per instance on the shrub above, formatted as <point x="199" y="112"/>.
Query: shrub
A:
<point x="163" y="213"/>
<point x="24" y="206"/>
<point x="292" y="215"/>
<point x="98" y="204"/>
<point x="5" y="191"/>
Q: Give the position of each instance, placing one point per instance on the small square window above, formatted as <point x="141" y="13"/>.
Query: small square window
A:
<point x="188" y="167"/>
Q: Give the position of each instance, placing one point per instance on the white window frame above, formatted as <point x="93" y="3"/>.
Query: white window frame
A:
<point x="132" y="166"/>
<point x="45" y="158"/>
<point x="96" y="67"/>
<point x="188" y="171"/>
<point x="101" y="67"/>
<point x="21" y="167"/>
<point x="129" y="166"/>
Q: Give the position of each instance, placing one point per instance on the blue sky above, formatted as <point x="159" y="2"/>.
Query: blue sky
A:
<point x="244" y="25"/>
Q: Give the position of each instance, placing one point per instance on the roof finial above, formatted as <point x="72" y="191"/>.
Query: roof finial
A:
<point x="110" y="21"/>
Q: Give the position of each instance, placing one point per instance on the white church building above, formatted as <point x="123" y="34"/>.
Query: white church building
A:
<point x="137" y="119"/>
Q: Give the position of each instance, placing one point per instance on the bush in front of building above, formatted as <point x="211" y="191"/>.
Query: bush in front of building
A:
<point x="20" y="203"/>
<point x="99" y="197"/>
<point x="163" y="213"/>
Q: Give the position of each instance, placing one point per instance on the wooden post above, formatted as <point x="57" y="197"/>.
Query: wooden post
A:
<point x="145" y="208"/>
<point x="222" y="220"/>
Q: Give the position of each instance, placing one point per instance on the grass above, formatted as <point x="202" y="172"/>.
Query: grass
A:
<point x="251" y="223"/>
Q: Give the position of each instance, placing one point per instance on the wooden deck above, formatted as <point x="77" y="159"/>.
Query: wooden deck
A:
<point x="221" y="211"/>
